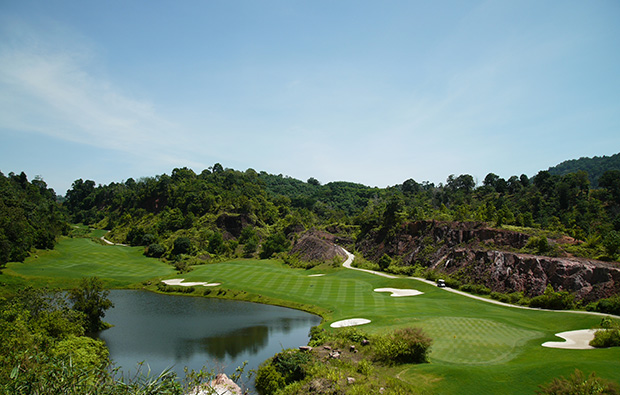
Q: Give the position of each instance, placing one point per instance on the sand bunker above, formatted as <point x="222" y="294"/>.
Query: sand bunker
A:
<point x="316" y="275"/>
<point x="396" y="292"/>
<point x="575" y="340"/>
<point x="179" y="281"/>
<point x="350" y="322"/>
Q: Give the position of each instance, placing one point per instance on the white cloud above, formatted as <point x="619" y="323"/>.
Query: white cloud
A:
<point x="58" y="92"/>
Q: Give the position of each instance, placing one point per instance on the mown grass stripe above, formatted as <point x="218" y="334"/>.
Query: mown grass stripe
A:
<point x="472" y="341"/>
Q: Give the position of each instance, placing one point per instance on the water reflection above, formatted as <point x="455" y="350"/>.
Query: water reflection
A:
<point x="247" y="340"/>
<point x="175" y="331"/>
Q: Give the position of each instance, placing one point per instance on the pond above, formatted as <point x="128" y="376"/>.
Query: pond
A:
<point x="169" y="331"/>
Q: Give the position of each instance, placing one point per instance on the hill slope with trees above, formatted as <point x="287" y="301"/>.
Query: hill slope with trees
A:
<point x="187" y="218"/>
<point x="29" y="217"/>
<point x="595" y="167"/>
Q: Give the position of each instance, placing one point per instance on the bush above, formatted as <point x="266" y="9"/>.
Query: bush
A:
<point x="352" y="334"/>
<point x="604" y="338"/>
<point x="384" y="262"/>
<point x="512" y="298"/>
<point x="155" y="250"/>
<point x="500" y="297"/>
<point x="182" y="266"/>
<point x="407" y="345"/>
<point x="612" y="243"/>
<point x="274" y="244"/>
<point x="182" y="245"/>
<point x="608" y="336"/>
<point x="268" y="380"/>
<point x="609" y="305"/>
<point x="475" y="289"/>
<point x="318" y="336"/>
<point x="291" y="364"/>
<point x="578" y="384"/>
<point x="553" y="300"/>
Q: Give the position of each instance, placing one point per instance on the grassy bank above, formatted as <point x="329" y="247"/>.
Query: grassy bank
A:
<point x="477" y="347"/>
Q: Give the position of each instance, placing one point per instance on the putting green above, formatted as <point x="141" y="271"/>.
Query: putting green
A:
<point x="478" y="347"/>
<point x="474" y="341"/>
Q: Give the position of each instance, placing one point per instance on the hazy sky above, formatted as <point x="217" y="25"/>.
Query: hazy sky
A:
<point x="374" y="92"/>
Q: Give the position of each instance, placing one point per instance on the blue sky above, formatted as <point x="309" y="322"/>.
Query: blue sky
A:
<point x="364" y="91"/>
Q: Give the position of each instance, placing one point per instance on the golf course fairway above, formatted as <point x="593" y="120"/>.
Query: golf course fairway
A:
<point x="478" y="347"/>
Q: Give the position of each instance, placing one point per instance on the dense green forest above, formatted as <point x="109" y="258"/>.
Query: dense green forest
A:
<point x="219" y="213"/>
<point x="189" y="218"/>
<point x="29" y="217"/>
<point x="595" y="167"/>
<point x="224" y="212"/>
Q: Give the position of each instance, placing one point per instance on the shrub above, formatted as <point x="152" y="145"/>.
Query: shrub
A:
<point x="274" y="244"/>
<point x="500" y="297"/>
<point x="612" y="243"/>
<point x="155" y="250"/>
<point x="384" y="262"/>
<point x="291" y="364"/>
<point x="553" y="300"/>
<point x="365" y="368"/>
<point x="577" y="383"/>
<point x="182" y="266"/>
<point x="606" y="338"/>
<point x="317" y="335"/>
<point x="475" y="289"/>
<point x="407" y="345"/>
<point x="512" y="298"/>
<point x="609" y="305"/>
<point x="182" y="245"/>
<point x="268" y="380"/>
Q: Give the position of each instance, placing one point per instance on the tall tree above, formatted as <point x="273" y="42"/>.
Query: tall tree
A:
<point x="91" y="298"/>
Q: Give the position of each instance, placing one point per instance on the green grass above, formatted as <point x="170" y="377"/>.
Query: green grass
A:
<point x="477" y="347"/>
<point x="74" y="258"/>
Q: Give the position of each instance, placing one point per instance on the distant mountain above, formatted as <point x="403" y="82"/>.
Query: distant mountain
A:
<point x="595" y="167"/>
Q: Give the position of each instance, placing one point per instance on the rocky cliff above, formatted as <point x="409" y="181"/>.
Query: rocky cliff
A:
<point x="507" y="272"/>
<point x="483" y="255"/>
<point x="317" y="246"/>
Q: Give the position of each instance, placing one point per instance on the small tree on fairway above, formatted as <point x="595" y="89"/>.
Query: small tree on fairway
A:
<point x="91" y="299"/>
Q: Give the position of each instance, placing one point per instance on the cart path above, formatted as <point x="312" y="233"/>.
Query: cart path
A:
<point x="350" y="257"/>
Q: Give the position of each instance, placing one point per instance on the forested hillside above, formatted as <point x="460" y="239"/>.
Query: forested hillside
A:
<point x="29" y="217"/>
<point x="224" y="212"/>
<point x="189" y="218"/>
<point x="595" y="167"/>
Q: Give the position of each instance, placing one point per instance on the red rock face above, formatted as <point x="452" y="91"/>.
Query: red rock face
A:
<point x="315" y="246"/>
<point x="512" y="272"/>
<point x="483" y="255"/>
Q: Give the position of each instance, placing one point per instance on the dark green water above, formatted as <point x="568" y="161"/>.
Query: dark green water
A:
<point x="167" y="331"/>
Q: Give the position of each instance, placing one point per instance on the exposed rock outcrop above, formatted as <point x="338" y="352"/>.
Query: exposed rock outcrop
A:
<point x="504" y="271"/>
<point x="316" y="246"/>
<point x="221" y="385"/>
<point x="486" y="256"/>
<point x="232" y="225"/>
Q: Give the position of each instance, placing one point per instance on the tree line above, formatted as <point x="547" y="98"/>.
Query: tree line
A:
<point x="30" y="217"/>
<point x="222" y="212"/>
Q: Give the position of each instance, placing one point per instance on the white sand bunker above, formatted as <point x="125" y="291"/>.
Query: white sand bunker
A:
<point x="396" y="292"/>
<point x="179" y="281"/>
<point x="575" y="340"/>
<point x="350" y="322"/>
<point x="316" y="275"/>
